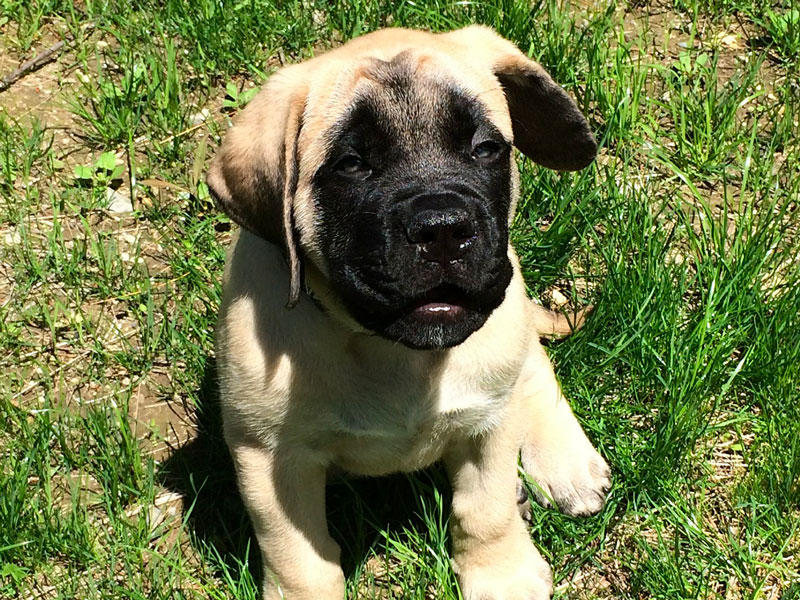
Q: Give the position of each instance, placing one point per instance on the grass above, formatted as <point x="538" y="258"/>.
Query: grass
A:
<point x="114" y="481"/>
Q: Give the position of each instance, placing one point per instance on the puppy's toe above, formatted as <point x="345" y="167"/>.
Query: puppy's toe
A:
<point x="588" y="494"/>
<point x="524" y="503"/>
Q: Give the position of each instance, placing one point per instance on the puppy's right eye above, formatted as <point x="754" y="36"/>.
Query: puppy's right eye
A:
<point x="487" y="150"/>
<point x="352" y="165"/>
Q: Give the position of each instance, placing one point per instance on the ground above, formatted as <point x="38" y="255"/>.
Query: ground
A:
<point x="114" y="481"/>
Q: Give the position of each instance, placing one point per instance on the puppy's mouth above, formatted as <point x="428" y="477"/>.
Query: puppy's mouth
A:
<point x="441" y="305"/>
<point x="441" y="316"/>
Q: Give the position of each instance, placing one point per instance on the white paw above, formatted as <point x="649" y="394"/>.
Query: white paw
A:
<point x="573" y="477"/>
<point x="520" y="574"/>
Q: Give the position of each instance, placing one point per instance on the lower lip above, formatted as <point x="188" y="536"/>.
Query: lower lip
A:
<point x="438" y="310"/>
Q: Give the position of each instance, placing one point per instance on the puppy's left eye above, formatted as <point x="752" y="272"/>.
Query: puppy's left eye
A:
<point x="352" y="165"/>
<point x="487" y="150"/>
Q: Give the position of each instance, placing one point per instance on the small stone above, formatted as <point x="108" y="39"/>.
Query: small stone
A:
<point x="730" y="41"/>
<point x="557" y="298"/>
<point x="118" y="201"/>
<point x="12" y="238"/>
<point x="200" y="117"/>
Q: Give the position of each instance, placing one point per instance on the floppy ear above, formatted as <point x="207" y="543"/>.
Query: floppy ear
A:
<point x="547" y="124"/>
<point x="253" y="176"/>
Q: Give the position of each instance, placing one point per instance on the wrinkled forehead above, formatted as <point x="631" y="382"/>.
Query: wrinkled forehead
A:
<point x="412" y="91"/>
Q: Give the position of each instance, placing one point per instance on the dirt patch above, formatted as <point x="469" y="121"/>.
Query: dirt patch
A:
<point x="41" y="94"/>
<point x="161" y="419"/>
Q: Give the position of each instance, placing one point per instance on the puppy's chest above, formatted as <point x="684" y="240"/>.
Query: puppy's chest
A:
<point x="405" y="424"/>
<point x="402" y="413"/>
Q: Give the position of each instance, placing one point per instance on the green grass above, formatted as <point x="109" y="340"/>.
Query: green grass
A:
<point x="684" y="235"/>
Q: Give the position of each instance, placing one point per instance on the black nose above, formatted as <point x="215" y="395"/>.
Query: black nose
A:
<point x="442" y="235"/>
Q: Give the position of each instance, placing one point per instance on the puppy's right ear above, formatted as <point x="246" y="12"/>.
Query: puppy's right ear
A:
<point x="548" y="126"/>
<point x="253" y="176"/>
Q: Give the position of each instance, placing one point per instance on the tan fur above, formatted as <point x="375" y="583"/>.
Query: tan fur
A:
<point x="304" y="390"/>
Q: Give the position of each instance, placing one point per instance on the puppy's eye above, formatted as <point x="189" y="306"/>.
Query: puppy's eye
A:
<point x="487" y="150"/>
<point x="352" y="165"/>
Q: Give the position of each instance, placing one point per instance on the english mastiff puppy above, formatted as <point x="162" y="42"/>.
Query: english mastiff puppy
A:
<point x="374" y="317"/>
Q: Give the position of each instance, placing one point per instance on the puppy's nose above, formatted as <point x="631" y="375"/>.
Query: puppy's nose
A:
<point x="441" y="235"/>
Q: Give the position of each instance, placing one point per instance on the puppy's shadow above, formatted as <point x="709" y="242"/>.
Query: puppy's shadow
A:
<point x="358" y="509"/>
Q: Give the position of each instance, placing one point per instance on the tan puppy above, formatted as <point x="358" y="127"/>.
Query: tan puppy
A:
<point x="375" y="185"/>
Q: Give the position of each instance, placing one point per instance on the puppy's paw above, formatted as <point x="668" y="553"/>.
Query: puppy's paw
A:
<point x="519" y="574"/>
<point x="576" y="479"/>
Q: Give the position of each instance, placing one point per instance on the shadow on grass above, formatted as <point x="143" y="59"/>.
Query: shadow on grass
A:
<point x="358" y="509"/>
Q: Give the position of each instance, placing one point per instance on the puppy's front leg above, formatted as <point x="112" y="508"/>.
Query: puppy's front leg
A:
<point x="285" y="497"/>
<point x="555" y="451"/>
<point x="493" y="555"/>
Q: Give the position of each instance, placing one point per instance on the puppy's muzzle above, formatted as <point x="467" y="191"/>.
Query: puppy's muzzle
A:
<point x="441" y="228"/>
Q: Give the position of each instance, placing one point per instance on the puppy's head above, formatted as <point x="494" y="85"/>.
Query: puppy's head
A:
<point x="386" y="168"/>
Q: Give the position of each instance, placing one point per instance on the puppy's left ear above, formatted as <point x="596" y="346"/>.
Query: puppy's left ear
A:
<point x="547" y="124"/>
<point x="253" y="176"/>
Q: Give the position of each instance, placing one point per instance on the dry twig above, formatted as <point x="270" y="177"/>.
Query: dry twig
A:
<point x="37" y="62"/>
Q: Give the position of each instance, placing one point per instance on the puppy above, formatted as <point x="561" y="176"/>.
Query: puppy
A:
<point x="374" y="316"/>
